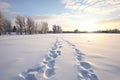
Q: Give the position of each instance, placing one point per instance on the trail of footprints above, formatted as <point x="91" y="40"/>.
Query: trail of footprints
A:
<point x="85" y="70"/>
<point x="46" y="69"/>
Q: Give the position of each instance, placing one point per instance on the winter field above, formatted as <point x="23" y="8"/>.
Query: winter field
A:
<point x="60" y="57"/>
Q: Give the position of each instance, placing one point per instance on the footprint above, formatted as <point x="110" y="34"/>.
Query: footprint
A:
<point x="54" y="55"/>
<point x="49" y="72"/>
<point x="31" y="70"/>
<point x="84" y="69"/>
<point x="52" y="51"/>
<point x="94" y="77"/>
<point x="84" y="73"/>
<point x="41" y="71"/>
<point x="79" y="58"/>
<point x="54" y="48"/>
<point x="59" y="52"/>
<point x="48" y="58"/>
<point x="85" y="65"/>
<point x="72" y="45"/>
<point x="60" y="46"/>
<point x="30" y="77"/>
<point x="51" y="64"/>
<point x="40" y="68"/>
<point x="46" y="68"/>
<point x="78" y="51"/>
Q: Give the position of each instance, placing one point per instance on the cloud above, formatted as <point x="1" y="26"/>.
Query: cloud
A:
<point x="117" y="20"/>
<point x="65" y="20"/>
<point x="68" y="21"/>
<point x="95" y="10"/>
<point x="4" y="6"/>
<point x="99" y="7"/>
<point x="59" y="18"/>
<point x="44" y="17"/>
<point x="82" y="4"/>
<point x="77" y="4"/>
<point x="109" y="24"/>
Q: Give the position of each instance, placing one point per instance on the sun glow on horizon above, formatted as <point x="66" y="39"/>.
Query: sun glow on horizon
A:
<point x="89" y="26"/>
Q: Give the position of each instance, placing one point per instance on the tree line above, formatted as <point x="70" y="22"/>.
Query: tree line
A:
<point x="5" y="24"/>
<point x="25" y="25"/>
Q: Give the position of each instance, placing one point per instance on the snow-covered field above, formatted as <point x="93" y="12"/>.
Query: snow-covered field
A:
<point x="60" y="57"/>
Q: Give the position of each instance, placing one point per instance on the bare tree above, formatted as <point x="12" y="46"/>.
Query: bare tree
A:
<point x="14" y="29"/>
<point x="57" y="29"/>
<point x="76" y="31"/>
<point x="5" y="24"/>
<point x="36" y="28"/>
<point x="44" y="27"/>
<point x="8" y="27"/>
<point x="30" y="25"/>
<point x="20" y="23"/>
<point x="54" y="29"/>
<point x="2" y="22"/>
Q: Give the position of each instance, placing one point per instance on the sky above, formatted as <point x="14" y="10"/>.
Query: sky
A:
<point x="85" y="15"/>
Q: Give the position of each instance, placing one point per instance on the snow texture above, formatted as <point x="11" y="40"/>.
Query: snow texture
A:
<point x="60" y="57"/>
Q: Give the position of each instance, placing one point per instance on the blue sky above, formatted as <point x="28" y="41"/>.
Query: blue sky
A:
<point x="35" y="7"/>
<point x="70" y="14"/>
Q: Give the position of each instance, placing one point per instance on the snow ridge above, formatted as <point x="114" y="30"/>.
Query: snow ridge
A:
<point x="44" y="70"/>
<point x="84" y="68"/>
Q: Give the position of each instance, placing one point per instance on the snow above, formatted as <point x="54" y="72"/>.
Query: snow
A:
<point x="60" y="57"/>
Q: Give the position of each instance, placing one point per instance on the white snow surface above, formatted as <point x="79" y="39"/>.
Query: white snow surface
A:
<point x="60" y="57"/>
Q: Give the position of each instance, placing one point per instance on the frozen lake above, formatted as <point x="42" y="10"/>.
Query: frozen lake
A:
<point x="19" y="53"/>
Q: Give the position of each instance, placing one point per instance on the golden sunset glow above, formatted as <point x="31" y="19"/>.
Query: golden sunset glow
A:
<point x="89" y="26"/>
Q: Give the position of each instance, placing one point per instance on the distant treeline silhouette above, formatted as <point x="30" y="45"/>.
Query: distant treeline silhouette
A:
<point x="98" y="31"/>
<point x="108" y="31"/>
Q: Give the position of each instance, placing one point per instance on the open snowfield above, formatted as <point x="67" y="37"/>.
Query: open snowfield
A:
<point x="60" y="57"/>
